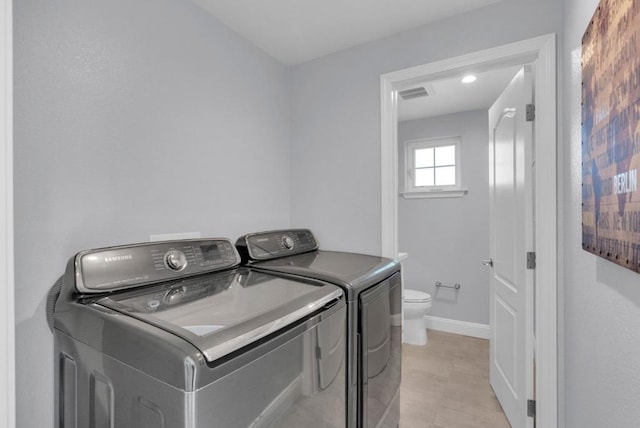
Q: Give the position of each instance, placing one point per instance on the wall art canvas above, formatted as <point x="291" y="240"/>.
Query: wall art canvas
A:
<point x="611" y="133"/>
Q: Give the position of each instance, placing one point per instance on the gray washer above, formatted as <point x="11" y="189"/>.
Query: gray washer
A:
<point x="173" y="334"/>
<point x="374" y="314"/>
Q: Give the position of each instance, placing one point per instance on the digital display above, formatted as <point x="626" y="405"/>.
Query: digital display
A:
<point x="210" y="252"/>
<point x="305" y="238"/>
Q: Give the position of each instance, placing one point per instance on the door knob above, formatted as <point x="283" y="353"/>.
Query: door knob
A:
<point x="488" y="262"/>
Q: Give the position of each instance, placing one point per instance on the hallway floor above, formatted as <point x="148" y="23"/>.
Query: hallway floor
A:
<point x="445" y="384"/>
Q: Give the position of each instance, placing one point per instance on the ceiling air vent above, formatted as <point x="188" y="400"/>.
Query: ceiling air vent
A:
<point x="409" y="94"/>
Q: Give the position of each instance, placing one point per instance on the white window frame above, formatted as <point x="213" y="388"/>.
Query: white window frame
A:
<point x="410" y="190"/>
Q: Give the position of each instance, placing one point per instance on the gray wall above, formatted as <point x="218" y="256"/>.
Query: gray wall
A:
<point x="446" y="238"/>
<point x="133" y="117"/>
<point x="601" y="300"/>
<point x="335" y="150"/>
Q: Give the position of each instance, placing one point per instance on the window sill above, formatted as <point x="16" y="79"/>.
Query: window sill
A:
<point x="435" y="194"/>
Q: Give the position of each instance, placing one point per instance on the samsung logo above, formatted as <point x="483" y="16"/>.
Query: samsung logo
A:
<point x="118" y="258"/>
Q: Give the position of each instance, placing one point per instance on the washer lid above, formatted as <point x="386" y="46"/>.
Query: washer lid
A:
<point x="223" y="312"/>
<point x="415" y="296"/>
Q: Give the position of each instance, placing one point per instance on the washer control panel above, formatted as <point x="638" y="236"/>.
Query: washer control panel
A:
<point x="277" y="243"/>
<point x="116" y="268"/>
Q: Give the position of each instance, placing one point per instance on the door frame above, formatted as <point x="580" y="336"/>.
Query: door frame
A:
<point x="541" y="52"/>
<point x="7" y="321"/>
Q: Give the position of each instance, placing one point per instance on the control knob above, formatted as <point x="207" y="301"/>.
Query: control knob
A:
<point x="175" y="260"/>
<point x="287" y="242"/>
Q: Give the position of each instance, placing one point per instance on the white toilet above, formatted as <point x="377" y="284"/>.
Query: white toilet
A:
<point x="416" y="304"/>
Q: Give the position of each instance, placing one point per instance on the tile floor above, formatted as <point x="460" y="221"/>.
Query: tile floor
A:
<point x="445" y="384"/>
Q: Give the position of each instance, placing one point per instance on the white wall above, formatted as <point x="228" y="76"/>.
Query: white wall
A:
<point x="447" y="238"/>
<point x="133" y="117"/>
<point x="601" y="299"/>
<point x="335" y="151"/>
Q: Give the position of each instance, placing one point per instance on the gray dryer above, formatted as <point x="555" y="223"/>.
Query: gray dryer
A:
<point x="373" y="290"/>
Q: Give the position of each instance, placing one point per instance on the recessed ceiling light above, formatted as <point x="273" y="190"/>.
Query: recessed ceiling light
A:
<point x="469" y="78"/>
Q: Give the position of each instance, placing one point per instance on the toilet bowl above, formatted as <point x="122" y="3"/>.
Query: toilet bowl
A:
<point x="416" y="305"/>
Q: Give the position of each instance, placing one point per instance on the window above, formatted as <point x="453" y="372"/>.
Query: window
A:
<point x="433" y="168"/>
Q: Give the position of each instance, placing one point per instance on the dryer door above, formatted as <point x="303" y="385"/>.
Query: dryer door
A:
<point x="381" y="354"/>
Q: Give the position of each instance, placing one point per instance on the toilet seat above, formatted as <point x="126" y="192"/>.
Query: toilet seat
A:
<point x="415" y="296"/>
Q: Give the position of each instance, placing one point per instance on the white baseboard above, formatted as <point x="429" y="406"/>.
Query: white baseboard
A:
<point x="482" y="331"/>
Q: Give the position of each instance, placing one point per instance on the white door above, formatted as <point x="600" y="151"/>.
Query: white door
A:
<point x="511" y="237"/>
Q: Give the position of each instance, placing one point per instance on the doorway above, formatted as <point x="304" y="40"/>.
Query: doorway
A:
<point x="540" y="52"/>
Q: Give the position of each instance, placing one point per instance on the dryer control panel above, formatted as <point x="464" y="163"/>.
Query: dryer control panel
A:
<point x="117" y="268"/>
<point x="275" y="244"/>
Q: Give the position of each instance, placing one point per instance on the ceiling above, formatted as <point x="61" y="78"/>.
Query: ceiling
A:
<point x="450" y="95"/>
<point x="295" y="31"/>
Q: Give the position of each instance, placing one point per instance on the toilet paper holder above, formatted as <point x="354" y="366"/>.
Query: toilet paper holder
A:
<point x="456" y="286"/>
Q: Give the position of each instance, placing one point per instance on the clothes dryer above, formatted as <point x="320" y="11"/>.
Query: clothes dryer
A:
<point x="372" y="286"/>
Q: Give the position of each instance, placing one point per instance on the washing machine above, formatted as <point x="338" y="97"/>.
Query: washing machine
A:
<point x="175" y="334"/>
<point x="372" y="287"/>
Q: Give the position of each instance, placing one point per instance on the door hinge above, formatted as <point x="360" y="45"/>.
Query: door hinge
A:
<point x="531" y="260"/>
<point x="531" y="112"/>
<point x="531" y="408"/>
